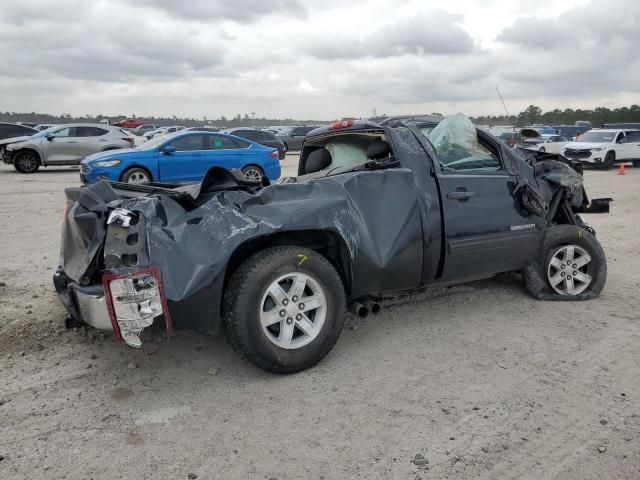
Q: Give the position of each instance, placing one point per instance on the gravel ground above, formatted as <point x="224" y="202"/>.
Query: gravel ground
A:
<point x="475" y="381"/>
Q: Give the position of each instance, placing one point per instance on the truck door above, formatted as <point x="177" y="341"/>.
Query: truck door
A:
<point x="486" y="231"/>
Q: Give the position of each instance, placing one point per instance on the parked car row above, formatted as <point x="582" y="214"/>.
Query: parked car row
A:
<point x="108" y="152"/>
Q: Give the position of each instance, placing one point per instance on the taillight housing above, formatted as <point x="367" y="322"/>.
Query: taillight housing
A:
<point x="274" y="154"/>
<point x="342" y="124"/>
<point x="134" y="301"/>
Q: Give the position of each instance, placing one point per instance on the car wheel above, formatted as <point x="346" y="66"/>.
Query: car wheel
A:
<point x="254" y="173"/>
<point x="26" y="162"/>
<point x="284" y="309"/>
<point x="573" y="266"/>
<point x="286" y="147"/>
<point x="609" y="160"/>
<point x="542" y="150"/>
<point x="136" y="175"/>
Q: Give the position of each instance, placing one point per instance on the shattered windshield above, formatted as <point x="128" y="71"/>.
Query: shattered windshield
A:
<point x="455" y="140"/>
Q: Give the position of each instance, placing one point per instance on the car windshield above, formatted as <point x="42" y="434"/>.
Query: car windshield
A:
<point x="154" y="142"/>
<point x="596" y="137"/>
<point x="43" y="133"/>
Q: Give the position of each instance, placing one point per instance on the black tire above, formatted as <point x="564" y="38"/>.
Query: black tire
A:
<point x="243" y="305"/>
<point x="536" y="278"/>
<point x="26" y="162"/>
<point x="135" y="175"/>
<point x="609" y="160"/>
<point x="286" y="147"/>
<point x="253" y="172"/>
<point x="542" y="150"/>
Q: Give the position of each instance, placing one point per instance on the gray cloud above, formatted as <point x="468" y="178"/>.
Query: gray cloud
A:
<point x="222" y="57"/>
<point x="219" y="10"/>
<point x="100" y="44"/>
<point x="436" y="32"/>
<point x="589" y="50"/>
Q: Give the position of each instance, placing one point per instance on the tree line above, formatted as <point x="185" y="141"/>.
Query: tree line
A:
<point x="531" y="115"/>
<point x="240" y="120"/>
<point x="535" y="115"/>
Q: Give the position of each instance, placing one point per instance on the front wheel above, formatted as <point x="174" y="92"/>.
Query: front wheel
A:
<point x="573" y="266"/>
<point x="26" y="162"/>
<point x="284" y="309"/>
<point x="609" y="160"/>
<point x="136" y="175"/>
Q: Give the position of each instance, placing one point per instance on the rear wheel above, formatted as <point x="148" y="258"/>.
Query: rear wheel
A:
<point x="284" y="309"/>
<point x="573" y="266"/>
<point x="26" y="162"/>
<point x="253" y="172"/>
<point x="136" y="175"/>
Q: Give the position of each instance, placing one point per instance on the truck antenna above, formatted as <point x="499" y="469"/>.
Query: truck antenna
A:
<point x="505" y="108"/>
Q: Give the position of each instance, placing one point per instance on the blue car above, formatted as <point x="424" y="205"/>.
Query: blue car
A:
<point x="183" y="157"/>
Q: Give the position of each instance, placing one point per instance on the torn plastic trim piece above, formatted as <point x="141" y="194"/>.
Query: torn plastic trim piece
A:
<point x="122" y="217"/>
<point x="134" y="300"/>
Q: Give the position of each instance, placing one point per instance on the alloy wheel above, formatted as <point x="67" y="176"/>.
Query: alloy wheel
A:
<point x="27" y="162"/>
<point x="138" y="177"/>
<point x="568" y="270"/>
<point x="293" y="310"/>
<point x="253" y="174"/>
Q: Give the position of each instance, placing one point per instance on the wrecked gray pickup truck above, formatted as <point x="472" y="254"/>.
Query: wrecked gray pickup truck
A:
<point x="378" y="209"/>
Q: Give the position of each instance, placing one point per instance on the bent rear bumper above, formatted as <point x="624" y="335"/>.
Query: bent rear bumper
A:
<point x="124" y="303"/>
<point x="85" y="304"/>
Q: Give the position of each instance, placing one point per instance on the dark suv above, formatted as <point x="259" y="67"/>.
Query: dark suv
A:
<point x="293" y="138"/>
<point x="262" y="137"/>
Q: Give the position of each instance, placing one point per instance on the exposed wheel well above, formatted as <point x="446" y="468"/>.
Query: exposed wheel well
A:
<point x="136" y="167"/>
<point x="22" y="150"/>
<point x="253" y="165"/>
<point x="326" y="242"/>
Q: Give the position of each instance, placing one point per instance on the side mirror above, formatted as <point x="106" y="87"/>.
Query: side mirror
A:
<point x="50" y="137"/>
<point x="169" y="149"/>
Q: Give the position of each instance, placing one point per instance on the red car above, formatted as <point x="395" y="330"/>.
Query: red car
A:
<point x="128" y="123"/>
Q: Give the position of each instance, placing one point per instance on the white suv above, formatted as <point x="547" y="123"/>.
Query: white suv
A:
<point x="605" y="147"/>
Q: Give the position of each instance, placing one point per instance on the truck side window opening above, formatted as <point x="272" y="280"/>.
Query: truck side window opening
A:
<point x="456" y="142"/>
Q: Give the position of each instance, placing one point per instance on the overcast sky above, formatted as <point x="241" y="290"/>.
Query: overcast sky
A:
<point x="316" y="59"/>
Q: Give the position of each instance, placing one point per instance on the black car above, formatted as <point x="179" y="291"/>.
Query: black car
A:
<point x="293" y="137"/>
<point x="379" y="209"/>
<point x="262" y="137"/>
<point x="11" y="130"/>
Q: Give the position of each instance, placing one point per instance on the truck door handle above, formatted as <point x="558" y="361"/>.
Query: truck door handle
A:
<point x="462" y="195"/>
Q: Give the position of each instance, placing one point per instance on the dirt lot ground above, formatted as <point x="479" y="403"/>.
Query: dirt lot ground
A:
<point x="480" y="381"/>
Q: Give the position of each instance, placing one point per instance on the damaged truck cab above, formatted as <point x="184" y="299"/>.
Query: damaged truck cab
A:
<point x="378" y="209"/>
